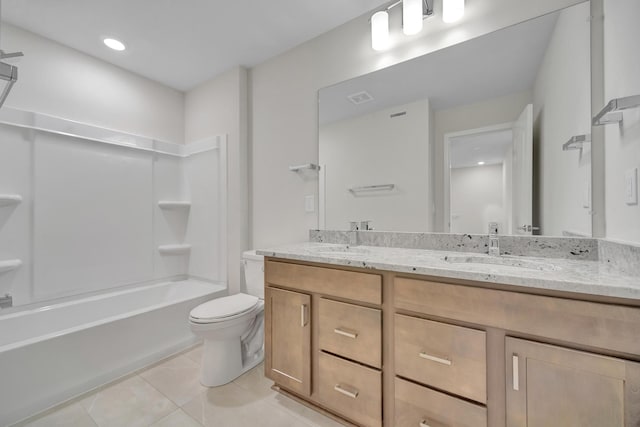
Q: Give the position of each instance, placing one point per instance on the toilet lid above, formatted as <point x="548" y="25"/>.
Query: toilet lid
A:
<point x="225" y="307"/>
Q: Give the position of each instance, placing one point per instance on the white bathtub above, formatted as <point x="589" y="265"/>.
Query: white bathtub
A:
<point x="50" y="354"/>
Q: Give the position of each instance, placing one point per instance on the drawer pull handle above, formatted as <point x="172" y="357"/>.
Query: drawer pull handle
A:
<point x="435" y="359"/>
<point x="303" y="315"/>
<point x="423" y="423"/>
<point x="516" y="373"/>
<point x="346" y="333"/>
<point x="340" y="389"/>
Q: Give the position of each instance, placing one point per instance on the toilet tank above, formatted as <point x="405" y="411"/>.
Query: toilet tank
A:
<point x="254" y="273"/>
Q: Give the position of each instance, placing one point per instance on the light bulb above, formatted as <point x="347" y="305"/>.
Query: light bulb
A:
<point x="380" y="30"/>
<point x="452" y="10"/>
<point x="411" y="16"/>
<point x="114" y="44"/>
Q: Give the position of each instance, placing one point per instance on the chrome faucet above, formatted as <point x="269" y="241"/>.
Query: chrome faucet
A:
<point x="494" y="242"/>
<point x="6" y="301"/>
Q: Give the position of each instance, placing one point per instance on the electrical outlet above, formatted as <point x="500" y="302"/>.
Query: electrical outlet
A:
<point x="631" y="186"/>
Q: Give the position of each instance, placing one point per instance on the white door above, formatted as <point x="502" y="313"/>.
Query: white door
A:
<point x="522" y="172"/>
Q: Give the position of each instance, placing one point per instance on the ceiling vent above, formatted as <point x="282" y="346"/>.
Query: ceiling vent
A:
<point x="360" y="97"/>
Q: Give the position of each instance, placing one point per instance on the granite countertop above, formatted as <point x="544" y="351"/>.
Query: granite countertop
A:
<point x="557" y="274"/>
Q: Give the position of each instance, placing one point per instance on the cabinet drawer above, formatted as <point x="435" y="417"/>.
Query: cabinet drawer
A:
<point x="451" y="358"/>
<point x="350" y="331"/>
<point x="419" y="406"/>
<point x="606" y="326"/>
<point x="351" y="390"/>
<point x="353" y="285"/>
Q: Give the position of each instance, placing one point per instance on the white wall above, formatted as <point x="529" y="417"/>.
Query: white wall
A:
<point x="376" y="149"/>
<point x="622" y="143"/>
<point x="492" y="112"/>
<point x="219" y="107"/>
<point x="561" y="99"/>
<point x="477" y="199"/>
<point x="57" y="80"/>
<point x="284" y="102"/>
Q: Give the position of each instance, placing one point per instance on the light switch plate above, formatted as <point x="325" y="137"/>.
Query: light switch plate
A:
<point x="309" y="203"/>
<point x="631" y="186"/>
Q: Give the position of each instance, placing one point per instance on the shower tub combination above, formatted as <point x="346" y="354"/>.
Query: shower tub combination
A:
<point x="51" y="354"/>
<point x="92" y="209"/>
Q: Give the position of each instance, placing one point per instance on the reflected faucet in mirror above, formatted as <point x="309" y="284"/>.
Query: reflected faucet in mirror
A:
<point x="494" y="242"/>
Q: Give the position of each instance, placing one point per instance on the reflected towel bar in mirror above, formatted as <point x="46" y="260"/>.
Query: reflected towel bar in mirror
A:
<point x="576" y="142"/>
<point x="611" y="112"/>
<point x="379" y="187"/>
<point x="309" y="166"/>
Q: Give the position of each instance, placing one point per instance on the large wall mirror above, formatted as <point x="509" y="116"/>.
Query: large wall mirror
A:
<point x="495" y="129"/>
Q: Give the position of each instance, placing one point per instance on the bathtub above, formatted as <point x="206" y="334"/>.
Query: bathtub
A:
<point x="50" y="354"/>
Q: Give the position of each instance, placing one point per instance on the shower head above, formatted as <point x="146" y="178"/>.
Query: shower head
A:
<point x="8" y="73"/>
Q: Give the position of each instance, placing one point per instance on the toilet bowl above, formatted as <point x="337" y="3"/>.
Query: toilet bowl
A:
<point x="232" y="328"/>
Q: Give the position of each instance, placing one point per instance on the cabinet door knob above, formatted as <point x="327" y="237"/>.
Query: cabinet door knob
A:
<point x="346" y="333"/>
<point x="516" y="373"/>
<point x="343" y="389"/>
<point x="435" y="358"/>
<point x="303" y="315"/>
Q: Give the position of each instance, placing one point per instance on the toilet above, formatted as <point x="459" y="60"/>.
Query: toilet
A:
<point x="232" y="328"/>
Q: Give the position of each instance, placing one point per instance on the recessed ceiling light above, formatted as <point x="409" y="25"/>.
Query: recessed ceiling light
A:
<point x="114" y="44"/>
<point x="480" y="163"/>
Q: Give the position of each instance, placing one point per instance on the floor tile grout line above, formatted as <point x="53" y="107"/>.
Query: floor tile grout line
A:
<point x="160" y="391"/>
<point x="173" y="412"/>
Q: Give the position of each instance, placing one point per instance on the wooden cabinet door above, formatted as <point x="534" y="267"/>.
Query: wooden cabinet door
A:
<point x="555" y="386"/>
<point x="288" y="339"/>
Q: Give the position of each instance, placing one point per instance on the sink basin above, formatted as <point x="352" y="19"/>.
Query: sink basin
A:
<point x="521" y="264"/>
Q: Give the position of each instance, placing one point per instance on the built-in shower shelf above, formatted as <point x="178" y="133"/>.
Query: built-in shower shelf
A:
<point x="9" y="199"/>
<point x="174" y="249"/>
<point x="174" y="204"/>
<point x="9" y="265"/>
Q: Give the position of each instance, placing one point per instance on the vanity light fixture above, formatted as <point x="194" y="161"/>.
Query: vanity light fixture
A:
<point x="380" y="30"/>
<point x="480" y="163"/>
<point x="114" y="44"/>
<point x="452" y="10"/>
<point x="413" y="13"/>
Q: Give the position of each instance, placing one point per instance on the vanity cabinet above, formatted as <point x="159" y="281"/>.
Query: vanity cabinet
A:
<point x="550" y="385"/>
<point x="323" y="338"/>
<point x="352" y="390"/>
<point x="447" y="357"/>
<point x="350" y="331"/>
<point x="417" y="406"/>
<point x="288" y="330"/>
<point x="394" y="349"/>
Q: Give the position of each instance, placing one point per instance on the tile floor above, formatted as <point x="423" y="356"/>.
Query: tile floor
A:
<point x="169" y="394"/>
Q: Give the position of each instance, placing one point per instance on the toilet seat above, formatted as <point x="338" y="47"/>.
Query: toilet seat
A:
<point x="224" y="309"/>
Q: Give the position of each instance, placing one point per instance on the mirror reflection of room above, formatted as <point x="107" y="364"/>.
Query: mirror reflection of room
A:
<point x="471" y="134"/>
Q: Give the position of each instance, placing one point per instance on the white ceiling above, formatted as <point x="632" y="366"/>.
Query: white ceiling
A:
<point x="501" y="63"/>
<point x="182" y="43"/>
<point x="488" y="147"/>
